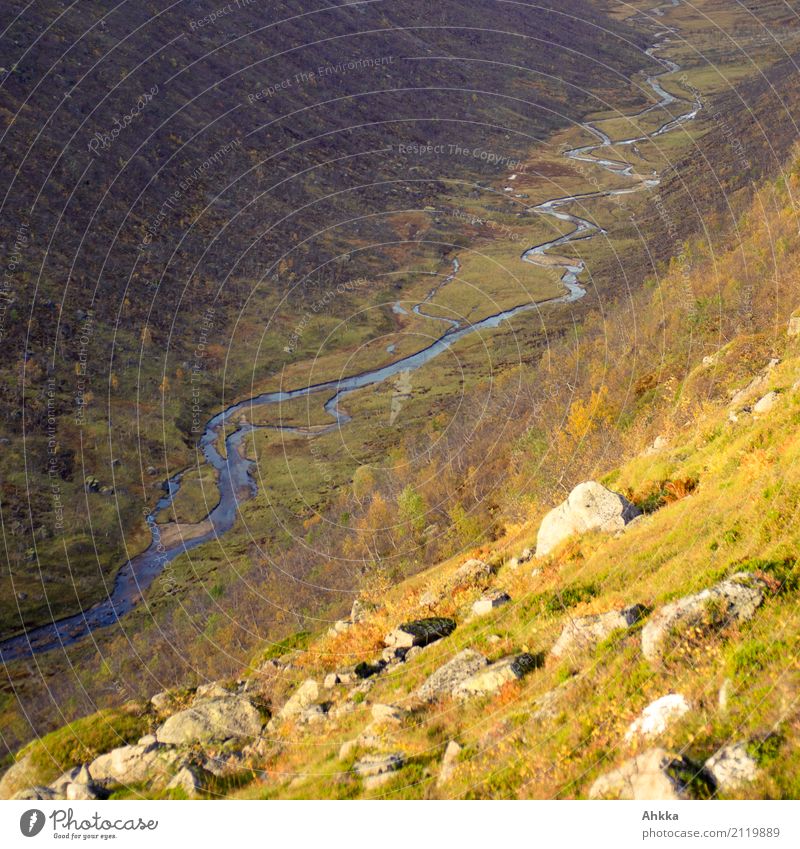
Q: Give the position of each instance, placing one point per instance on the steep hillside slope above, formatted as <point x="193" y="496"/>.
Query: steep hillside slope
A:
<point x="653" y="655"/>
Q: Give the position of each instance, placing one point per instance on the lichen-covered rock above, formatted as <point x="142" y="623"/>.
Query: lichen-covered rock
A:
<point x="493" y="677"/>
<point x="589" y="507"/>
<point x="765" y="404"/>
<point x="733" y="600"/>
<point x="732" y="766"/>
<point x="217" y="719"/>
<point x="420" y="632"/>
<point x="654" y="775"/>
<point x="446" y="678"/>
<point x="584" y="632"/>
<point x="20" y="776"/>
<point x="657" y="716"/>
<point x="133" y="764"/>
<point x="303" y="697"/>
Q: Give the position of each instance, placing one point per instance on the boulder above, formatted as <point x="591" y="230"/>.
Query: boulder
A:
<point x="589" y="507"/>
<point x="732" y="766"/>
<point x="493" y="677"/>
<point x="304" y="696"/>
<point x="216" y="719"/>
<point x="446" y="678"/>
<point x="387" y="713"/>
<point x="83" y="792"/>
<point x="766" y="404"/>
<point x="361" y="610"/>
<point x="654" y="775"/>
<point x="657" y="716"/>
<point x="733" y="600"/>
<point x="420" y="632"/>
<point x="20" y="776"/>
<point x="377" y="766"/>
<point x="449" y="762"/>
<point x="471" y="573"/>
<point x="585" y="632"/>
<point x="189" y="778"/>
<point x="488" y="602"/>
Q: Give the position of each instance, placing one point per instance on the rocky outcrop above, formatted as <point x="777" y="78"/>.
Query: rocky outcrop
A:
<point x="493" y="677"/>
<point x="446" y="678"/>
<point x="732" y="766"/>
<point x="657" y="716"/>
<point x="420" y="632"/>
<point x="471" y="573"/>
<point x="654" y="775"/>
<point x="733" y="600"/>
<point x="212" y="720"/>
<point x="584" y="632"/>
<point x="589" y="507"/>
<point x="18" y="777"/>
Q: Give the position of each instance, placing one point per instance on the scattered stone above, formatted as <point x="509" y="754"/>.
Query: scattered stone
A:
<point x="367" y="670"/>
<point x="654" y="775"/>
<point x="377" y="766"/>
<point x="347" y="749"/>
<point x="211" y="690"/>
<point x="162" y="701"/>
<point x="765" y="404"/>
<point x="757" y="384"/>
<point x="428" y="599"/>
<point x="493" y="639"/>
<point x="312" y="715"/>
<point x="83" y="792"/>
<point x="420" y="632"/>
<point x="387" y="713"/>
<point x="148" y="740"/>
<point x="188" y="778"/>
<point x="412" y="653"/>
<point x="304" y="696"/>
<point x="393" y="655"/>
<point x="658" y="444"/>
<point x="513" y="563"/>
<point x="361" y="610"/>
<point x="487" y="603"/>
<point x="449" y="761"/>
<point x="589" y="507"/>
<point x="446" y="678"/>
<point x="585" y="632"/>
<point x="493" y="677"/>
<point x="735" y="599"/>
<point x="724" y="695"/>
<point x="657" y="716"/>
<point x="331" y="680"/>
<point x="732" y="766"/>
<point x="215" y="719"/>
<point x="341" y="625"/>
<point x="471" y="573"/>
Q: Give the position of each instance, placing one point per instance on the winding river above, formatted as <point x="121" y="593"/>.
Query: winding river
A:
<point x="234" y="480"/>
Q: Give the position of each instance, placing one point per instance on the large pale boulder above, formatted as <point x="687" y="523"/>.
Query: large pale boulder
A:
<point x="449" y="763"/>
<point x="217" y="719"/>
<point x="584" y="632"/>
<point x="654" y="775"/>
<point x="493" y="677"/>
<point x="133" y="764"/>
<point x="658" y="716"/>
<point x="589" y="507"/>
<point x="446" y="678"/>
<point x="735" y="599"/>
